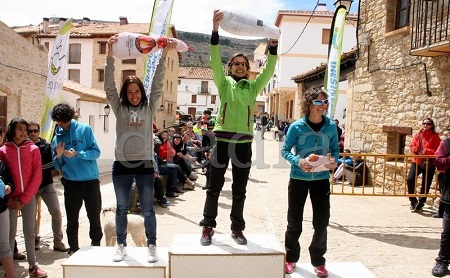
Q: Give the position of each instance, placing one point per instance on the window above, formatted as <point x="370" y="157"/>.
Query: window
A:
<point x="101" y="74"/>
<point x="129" y="61"/>
<point x="47" y="45"/>
<point x="204" y="87"/>
<point x="75" y="53"/>
<point x="402" y="14"/>
<point x="326" y="36"/>
<point x="213" y="99"/>
<point x="102" y="47"/>
<point x="179" y="81"/>
<point x="127" y="73"/>
<point x="396" y="140"/>
<point x="194" y="99"/>
<point x="171" y="86"/>
<point x="74" y="75"/>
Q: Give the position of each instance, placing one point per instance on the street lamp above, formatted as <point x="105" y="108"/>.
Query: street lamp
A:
<point x="107" y="110"/>
<point x="346" y="3"/>
<point x="275" y="79"/>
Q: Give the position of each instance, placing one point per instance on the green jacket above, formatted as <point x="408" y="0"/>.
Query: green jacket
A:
<point x="234" y="121"/>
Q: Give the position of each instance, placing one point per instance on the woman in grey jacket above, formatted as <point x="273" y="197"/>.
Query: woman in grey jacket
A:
<point x="133" y="152"/>
<point x="311" y="136"/>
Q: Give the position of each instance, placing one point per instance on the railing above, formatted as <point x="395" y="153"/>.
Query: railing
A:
<point x="386" y="175"/>
<point x="204" y="90"/>
<point x="429" y="23"/>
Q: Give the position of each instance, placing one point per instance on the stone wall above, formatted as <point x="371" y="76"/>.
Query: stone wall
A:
<point x="389" y="86"/>
<point x="23" y="72"/>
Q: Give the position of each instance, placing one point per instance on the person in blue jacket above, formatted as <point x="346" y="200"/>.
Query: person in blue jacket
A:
<point x="75" y="154"/>
<point x="311" y="136"/>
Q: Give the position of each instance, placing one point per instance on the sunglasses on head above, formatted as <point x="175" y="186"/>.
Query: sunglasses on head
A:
<point x="244" y="64"/>
<point x="319" y="102"/>
<point x="33" y="131"/>
<point x="427" y="123"/>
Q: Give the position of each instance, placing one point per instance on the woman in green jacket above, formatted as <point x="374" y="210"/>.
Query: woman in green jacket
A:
<point x="234" y="132"/>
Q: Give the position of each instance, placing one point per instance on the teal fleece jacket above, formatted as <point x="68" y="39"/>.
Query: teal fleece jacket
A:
<point x="234" y="121"/>
<point x="306" y="141"/>
<point x="79" y="137"/>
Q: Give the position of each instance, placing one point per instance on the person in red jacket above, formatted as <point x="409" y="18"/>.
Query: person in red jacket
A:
<point x="23" y="159"/>
<point x="424" y="142"/>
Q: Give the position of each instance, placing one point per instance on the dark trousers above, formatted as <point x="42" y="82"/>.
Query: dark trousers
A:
<point x="444" y="251"/>
<point x="319" y="191"/>
<point x="159" y="189"/>
<point x="241" y="156"/>
<point x="74" y="194"/>
<point x="427" y="178"/>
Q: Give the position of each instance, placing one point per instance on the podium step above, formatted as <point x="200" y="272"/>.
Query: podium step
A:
<point x="97" y="262"/>
<point x="347" y="270"/>
<point x="262" y="257"/>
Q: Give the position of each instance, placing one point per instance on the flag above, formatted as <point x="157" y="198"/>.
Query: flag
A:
<point x="55" y="79"/>
<point x="159" y="25"/>
<point x="332" y="72"/>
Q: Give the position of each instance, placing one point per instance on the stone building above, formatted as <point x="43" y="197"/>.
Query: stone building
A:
<point x="23" y="71"/>
<point x="400" y="77"/>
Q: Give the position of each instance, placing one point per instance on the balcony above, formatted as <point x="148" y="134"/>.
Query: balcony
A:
<point x="430" y="34"/>
<point x="204" y="90"/>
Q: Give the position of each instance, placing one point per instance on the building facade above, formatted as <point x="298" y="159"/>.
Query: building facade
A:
<point x="304" y="45"/>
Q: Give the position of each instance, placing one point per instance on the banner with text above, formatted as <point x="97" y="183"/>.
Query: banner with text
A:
<point x="331" y="83"/>
<point x="159" y="25"/>
<point x="55" y="79"/>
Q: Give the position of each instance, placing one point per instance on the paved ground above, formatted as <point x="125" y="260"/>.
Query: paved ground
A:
<point x="379" y="232"/>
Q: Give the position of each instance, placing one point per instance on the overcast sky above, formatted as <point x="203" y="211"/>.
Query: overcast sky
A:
<point x="187" y="15"/>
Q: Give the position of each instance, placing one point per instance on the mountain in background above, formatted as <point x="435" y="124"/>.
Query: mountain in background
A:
<point x="199" y="56"/>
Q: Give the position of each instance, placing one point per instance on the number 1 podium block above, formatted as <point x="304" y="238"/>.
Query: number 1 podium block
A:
<point x="97" y="262"/>
<point x="262" y="257"/>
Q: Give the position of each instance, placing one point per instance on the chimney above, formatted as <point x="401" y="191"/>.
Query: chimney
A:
<point x="62" y="20"/>
<point x="45" y="25"/>
<point x="123" y="20"/>
<point x="322" y="7"/>
<point x="86" y="21"/>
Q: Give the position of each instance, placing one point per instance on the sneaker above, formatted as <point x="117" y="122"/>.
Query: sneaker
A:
<point x="207" y="234"/>
<point x="35" y="271"/>
<point x="289" y="267"/>
<point x="152" y="256"/>
<point x="121" y="251"/>
<point x="413" y="205"/>
<point x="71" y="252"/>
<point x="419" y="207"/>
<point x="171" y="194"/>
<point x="193" y="176"/>
<point x="59" y="246"/>
<point x="321" y="271"/>
<point x="186" y="186"/>
<point x="19" y="256"/>
<point x="437" y="215"/>
<point x="239" y="237"/>
<point x="164" y="202"/>
<point x="439" y="269"/>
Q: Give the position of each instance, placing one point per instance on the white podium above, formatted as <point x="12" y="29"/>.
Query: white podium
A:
<point x="262" y="257"/>
<point x="97" y="262"/>
<point x="336" y="270"/>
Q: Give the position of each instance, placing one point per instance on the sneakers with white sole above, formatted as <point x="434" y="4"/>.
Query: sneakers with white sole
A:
<point x="152" y="256"/>
<point x="121" y="251"/>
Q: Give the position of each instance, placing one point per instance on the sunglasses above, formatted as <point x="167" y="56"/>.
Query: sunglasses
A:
<point x="319" y="102"/>
<point x="244" y="64"/>
<point x="427" y="123"/>
<point x="210" y="128"/>
<point x="33" y="131"/>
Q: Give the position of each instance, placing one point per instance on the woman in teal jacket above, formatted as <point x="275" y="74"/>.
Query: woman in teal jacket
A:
<point x="234" y="132"/>
<point x="314" y="134"/>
